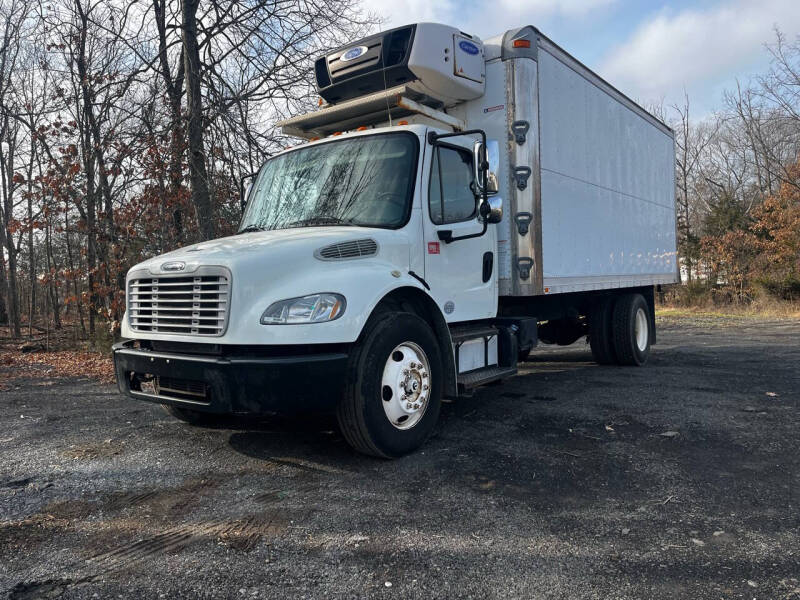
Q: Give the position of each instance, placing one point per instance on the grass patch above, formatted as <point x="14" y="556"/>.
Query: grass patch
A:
<point x="753" y="311"/>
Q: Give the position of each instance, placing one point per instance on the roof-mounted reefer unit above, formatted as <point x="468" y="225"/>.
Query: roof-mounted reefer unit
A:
<point x="442" y="64"/>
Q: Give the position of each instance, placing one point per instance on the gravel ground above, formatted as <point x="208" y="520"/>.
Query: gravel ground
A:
<point x="677" y="480"/>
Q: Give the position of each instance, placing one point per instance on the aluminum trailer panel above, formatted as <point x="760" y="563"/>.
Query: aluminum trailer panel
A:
<point x="601" y="193"/>
<point x="607" y="186"/>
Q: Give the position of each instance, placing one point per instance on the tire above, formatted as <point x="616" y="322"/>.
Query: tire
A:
<point x="631" y="326"/>
<point x="377" y="421"/>
<point x="187" y="415"/>
<point x="601" y="334"/>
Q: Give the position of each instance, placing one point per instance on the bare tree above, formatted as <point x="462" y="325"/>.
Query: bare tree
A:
<point x="691" y="142"/>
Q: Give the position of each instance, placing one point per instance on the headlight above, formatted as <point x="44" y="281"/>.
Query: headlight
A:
<point x="316" y="308"/>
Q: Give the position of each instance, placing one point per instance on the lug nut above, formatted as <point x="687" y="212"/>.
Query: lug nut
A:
<point x="409" y="406"/>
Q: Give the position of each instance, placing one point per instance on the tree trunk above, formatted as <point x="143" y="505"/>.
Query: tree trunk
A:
<point x="6" y="237"/>
<point x="31" y="252"/>
<point x="51" y="267"/>
<point x="174" y="86"/>
<point x="89" y="158"/>
<point x="78" y="301"/>
<point x="198" y="177"/>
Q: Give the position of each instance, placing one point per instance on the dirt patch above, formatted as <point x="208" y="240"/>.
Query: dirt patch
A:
<point x="38" y="590"/>
<point x="94" y="450"/>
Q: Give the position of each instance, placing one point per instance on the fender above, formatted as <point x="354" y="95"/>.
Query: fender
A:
<point x="410" y="292"/>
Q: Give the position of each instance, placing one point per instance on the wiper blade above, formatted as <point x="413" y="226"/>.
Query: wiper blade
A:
<point x="316" y="221"/>
<point x="251" y="228"/>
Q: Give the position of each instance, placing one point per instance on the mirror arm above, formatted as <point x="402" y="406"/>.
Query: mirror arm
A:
<point x="446" y="235"/>
<point x="242" y="179"/>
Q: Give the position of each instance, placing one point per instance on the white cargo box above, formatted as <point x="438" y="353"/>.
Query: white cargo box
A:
<point x="587" y="175"/>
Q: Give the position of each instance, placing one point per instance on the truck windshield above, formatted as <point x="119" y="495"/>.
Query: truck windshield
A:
<point x="363" y="181"/>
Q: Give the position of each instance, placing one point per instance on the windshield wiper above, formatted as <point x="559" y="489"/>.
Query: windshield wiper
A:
<point x="251" y="228"/>
<point x="316" y="221"/>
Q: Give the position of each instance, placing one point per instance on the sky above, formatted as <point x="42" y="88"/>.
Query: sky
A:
<point x="651" y="50"/>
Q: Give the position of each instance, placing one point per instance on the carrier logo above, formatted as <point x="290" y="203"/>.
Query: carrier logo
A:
<point x="353" y="53"/>
<point x="173" y="266"/>
<point x="468" y="47"/>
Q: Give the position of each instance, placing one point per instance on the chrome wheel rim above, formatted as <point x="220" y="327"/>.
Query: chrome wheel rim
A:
<point x="641" y="330"/>
<point x="405" y="385"/>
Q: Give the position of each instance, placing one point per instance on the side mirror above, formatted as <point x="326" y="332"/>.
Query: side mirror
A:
<point x="486" y="162"/>
<point x="493" y="155"/>
<point x="495" y="214"/>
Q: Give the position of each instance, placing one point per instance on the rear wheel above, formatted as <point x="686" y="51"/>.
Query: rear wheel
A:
<point x="631" y="325"/>
<point x="601" y="334"/>
<point x="392" y="398"/>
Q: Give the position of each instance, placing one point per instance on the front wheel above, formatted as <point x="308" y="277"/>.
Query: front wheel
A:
<point x="392" y="399"/>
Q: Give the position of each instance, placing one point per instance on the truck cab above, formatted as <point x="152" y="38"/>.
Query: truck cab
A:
<point x="374" y="271"/>
<point x="354" y="229"/>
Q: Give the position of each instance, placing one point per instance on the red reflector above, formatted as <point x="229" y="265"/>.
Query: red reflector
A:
<point x="433" y="247"/>
<point x="522" y="44"/>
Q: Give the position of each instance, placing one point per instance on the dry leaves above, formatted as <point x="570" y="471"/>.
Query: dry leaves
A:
<point x="67" y="363"/>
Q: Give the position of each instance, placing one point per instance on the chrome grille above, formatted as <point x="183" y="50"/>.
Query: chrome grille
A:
<point x="195" y="304"/>
<point x="349" y="249"/>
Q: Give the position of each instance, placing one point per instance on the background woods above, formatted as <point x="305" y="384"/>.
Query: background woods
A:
<point x="738" y="188"/>
<point x="124" y="130"/>
<point x="126" y="126"/>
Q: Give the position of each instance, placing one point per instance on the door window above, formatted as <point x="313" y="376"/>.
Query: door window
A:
<point x="450" y="195"/>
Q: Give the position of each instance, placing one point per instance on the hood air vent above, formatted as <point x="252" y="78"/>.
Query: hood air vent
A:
<point x="348" y="250"/>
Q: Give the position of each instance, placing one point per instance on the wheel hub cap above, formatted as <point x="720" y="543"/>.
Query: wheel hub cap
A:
<point x="641" y="330"/>
<point x="405" y="385"/>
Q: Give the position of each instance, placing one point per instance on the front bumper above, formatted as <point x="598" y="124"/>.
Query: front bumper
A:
<point x="229" y="383"/>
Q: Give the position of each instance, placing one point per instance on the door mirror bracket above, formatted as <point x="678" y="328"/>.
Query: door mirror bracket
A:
<point x="482" y="181"/>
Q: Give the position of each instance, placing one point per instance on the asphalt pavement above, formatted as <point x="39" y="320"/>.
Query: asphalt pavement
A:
<point x="677" y="480"/>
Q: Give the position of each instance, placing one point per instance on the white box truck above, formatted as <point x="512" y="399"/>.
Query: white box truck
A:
<point x="455" y="203"/>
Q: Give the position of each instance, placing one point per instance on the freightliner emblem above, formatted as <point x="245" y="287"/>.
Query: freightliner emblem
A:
<point x="173" y="266"/>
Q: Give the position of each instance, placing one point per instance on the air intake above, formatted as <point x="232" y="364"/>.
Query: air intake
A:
<point x="348" y="250"/>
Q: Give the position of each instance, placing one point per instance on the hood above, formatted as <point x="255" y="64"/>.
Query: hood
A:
<point x="268" y="266"/>
<point x="292" y="245"/>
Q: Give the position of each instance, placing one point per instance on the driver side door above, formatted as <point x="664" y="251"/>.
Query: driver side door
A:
<point x="461" y="274"/>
